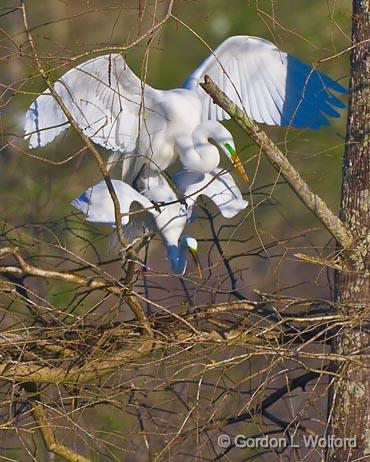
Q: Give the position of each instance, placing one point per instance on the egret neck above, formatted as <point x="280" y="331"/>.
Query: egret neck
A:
<point x="200" y="154"/>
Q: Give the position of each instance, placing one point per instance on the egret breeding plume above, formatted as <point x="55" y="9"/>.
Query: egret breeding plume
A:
<point x="170" y="215"/>
<point x="142" y="125"/>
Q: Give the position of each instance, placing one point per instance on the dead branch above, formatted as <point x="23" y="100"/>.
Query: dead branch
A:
<point x="332" y="223"/>
<point x="47" y="433"/>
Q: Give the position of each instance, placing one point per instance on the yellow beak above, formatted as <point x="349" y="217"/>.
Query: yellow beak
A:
<point x="235" y="159"/>
<point x="239" y="166"/>
<point x="194" y="254"/>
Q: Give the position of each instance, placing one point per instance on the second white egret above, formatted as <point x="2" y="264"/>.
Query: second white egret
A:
<point x="170" y="215"/>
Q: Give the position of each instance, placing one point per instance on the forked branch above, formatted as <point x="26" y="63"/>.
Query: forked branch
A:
<point x="48" y="436"/>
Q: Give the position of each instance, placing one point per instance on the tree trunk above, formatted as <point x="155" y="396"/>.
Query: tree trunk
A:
<point x="349" y="404"/>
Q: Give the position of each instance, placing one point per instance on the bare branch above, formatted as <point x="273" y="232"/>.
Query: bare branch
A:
<point x="47" y="432"/>
<point x="332" y="223"/>
<point x="132" y="301"/>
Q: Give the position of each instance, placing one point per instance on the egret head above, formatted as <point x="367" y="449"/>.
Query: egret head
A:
<point x="191" y="246"/>
<point x="177" y="255"/>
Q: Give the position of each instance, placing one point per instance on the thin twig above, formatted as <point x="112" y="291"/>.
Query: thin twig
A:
<point x="47" y="431"/>
<point x="131" y="300"/>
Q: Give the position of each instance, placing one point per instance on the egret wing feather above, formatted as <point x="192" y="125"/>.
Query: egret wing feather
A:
<point x="272" y="86"/>
<point x="103" y="96"/>
<point x="218" y="185"/>
<point x="97" y="205"/>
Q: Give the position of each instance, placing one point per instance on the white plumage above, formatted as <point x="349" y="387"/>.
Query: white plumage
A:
<point x="116" y="110"/>
<point x="97" y="205"/>
<point x="147" y="128"/>
<point x="170" y="215"/>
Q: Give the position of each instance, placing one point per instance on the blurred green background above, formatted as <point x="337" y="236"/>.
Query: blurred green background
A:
<point x="35" y="192"/>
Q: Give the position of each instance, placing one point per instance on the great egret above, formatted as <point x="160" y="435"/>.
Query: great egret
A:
<point x="118" y="111"/>
<point x="170" y="215"/>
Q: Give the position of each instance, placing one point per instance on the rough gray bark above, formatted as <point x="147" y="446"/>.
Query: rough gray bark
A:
<point x="349" y="407"/>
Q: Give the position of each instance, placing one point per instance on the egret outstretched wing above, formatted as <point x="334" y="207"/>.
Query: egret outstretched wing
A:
<point x="218" y="185"/>
<point x="169" y="216"/>
<point x="272" y="86"/>
<point x="97" y="205"/>
<point x="103" y="96"/>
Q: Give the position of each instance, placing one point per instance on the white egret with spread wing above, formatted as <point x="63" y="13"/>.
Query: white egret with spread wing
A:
<point x="170" y="215"/>
<point x="142" y="125"/>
